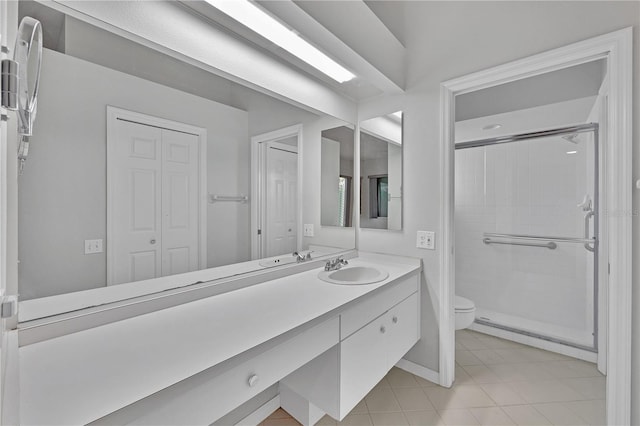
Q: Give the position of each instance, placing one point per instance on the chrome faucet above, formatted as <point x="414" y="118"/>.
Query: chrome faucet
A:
<point x="335" y="264"/>
<point x="302" y="257"/>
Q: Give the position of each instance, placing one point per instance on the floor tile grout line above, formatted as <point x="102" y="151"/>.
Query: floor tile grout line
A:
<point x="488" y="364"/>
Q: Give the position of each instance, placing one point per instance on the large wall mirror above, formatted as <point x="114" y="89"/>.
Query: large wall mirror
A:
<point x="140" y="166"/>
<point x="337" y="206"/>
<point x="381" y="172"/>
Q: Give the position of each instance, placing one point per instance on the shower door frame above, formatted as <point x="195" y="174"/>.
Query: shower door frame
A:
<point x="592" y="128"/>
<point x="616" y="48"/>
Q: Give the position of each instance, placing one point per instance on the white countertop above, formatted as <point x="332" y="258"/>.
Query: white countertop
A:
<point x="82" y="376"/>
<point x="69" y="302"/>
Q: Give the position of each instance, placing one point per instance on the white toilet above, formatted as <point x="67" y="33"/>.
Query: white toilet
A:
<point x="465" y="312"/>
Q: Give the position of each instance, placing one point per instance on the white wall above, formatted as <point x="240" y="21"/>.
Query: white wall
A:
<point x="62" y="196"/>
<point x="450" y="39"/>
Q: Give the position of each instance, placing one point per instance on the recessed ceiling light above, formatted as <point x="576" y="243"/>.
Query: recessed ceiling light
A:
<point x="492" y="126"/>
<point x="251" y="16"/>
<point x="571" y="152"/>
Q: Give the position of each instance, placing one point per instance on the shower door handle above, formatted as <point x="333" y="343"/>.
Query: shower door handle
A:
<point x="587" y="223"/>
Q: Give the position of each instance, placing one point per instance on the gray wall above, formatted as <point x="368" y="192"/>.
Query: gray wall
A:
<point x="330" y="163"/>
<point x="62" y="194"/>
<point x="445" y="40"/>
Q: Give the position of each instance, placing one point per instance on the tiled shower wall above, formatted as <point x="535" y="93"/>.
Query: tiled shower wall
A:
<point x="528" y="187"/>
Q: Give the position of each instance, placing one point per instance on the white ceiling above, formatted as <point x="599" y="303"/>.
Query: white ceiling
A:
<point x="349" y="31"/>
<point x="526" y="120"/>
<point x="344" y="135"/>
<point x="570" y="83"/>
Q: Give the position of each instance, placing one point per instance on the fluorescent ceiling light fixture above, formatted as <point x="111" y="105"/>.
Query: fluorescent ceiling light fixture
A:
<point x="571" y="152"/>
<point x="492" y="127"/>
<point x="251" y="16"/>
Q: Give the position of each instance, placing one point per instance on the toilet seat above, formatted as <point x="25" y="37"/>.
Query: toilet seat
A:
<point x="464" y="305"/>
<point x="465" y="312"/>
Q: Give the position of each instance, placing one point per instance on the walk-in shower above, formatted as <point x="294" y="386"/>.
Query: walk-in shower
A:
<point x="527" y="232"/>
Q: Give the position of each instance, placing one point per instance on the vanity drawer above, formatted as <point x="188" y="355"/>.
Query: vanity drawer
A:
<point x="365" y="311"/>
<point x="255" y="375"/>
<point x="221" y="393"/>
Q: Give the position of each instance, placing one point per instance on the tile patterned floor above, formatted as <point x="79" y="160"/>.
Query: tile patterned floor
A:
<point x="498" y="382"/>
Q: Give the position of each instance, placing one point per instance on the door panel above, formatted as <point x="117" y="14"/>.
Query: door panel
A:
<point x="154" y="202"/>
<point x="135" y="202"/>
<point x="180" y="226"/>
<point x="363" y="360"/>
<point x="178" y="260"/>
<point x="143" y="265"/>
<point x="403" y="329"/>
<point x="144" y="200"/>
<point x="281" y="200"/>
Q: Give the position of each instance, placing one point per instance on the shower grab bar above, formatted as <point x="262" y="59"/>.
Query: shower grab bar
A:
<point x="541" y="238"/>
<point x="550" y="245"/>
<point x="236" y="198"/>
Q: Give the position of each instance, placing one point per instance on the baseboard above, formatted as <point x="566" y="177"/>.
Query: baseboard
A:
<point x="261" y="413"/>
<point x="536" y="343"/>
<point x="419" y="370"/>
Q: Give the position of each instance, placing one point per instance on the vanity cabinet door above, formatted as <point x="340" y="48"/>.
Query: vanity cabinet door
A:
<point x="363" y="362"/>
<point x="403" y="320"/>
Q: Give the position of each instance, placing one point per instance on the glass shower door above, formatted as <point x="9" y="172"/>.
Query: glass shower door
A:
<point x="525" y="227"/>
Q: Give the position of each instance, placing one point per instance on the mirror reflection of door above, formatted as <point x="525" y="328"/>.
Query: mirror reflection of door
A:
<point x="154" y="202"/>
<point x="281" y="189"/>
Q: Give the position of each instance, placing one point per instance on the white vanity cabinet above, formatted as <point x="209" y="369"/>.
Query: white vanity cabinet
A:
<point x="337" y="380"/>
<point x="367" y="355"/>
<point x="195" y="362"/>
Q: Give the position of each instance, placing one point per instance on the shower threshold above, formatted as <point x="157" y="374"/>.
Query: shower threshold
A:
<point x="582" y="340"/>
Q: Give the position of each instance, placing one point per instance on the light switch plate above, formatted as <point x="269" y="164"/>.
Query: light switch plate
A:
<point x="308" y="229"/>
<point x="92" y="246"/>
<point x="426" y="240"/>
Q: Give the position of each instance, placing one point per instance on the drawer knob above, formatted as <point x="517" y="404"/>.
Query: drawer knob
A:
<point x="253" y="379"/>
<point x="383" y="329"/>
<point x="394" y="319"/>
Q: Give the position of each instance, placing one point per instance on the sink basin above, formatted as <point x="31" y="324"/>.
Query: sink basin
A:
<point x="354" y="275"/>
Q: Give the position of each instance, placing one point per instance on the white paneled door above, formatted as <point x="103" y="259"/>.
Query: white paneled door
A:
<point x="154" y="202"/>
<point x="179" y="202"/>
<point x="281" y="199"/>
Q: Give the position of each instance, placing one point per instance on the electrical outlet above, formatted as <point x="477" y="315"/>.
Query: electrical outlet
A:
<point x="426" y="240"/>
<point x="92" y="246"/>
<point x="308" y="229"/>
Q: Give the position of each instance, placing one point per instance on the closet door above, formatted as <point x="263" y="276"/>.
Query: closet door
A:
<point x="135" y="203"/>
<point x="180" y="204"/>
<point x="153" y="201"/>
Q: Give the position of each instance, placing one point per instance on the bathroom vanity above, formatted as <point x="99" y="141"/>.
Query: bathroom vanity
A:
<point x="326" y="344"/>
